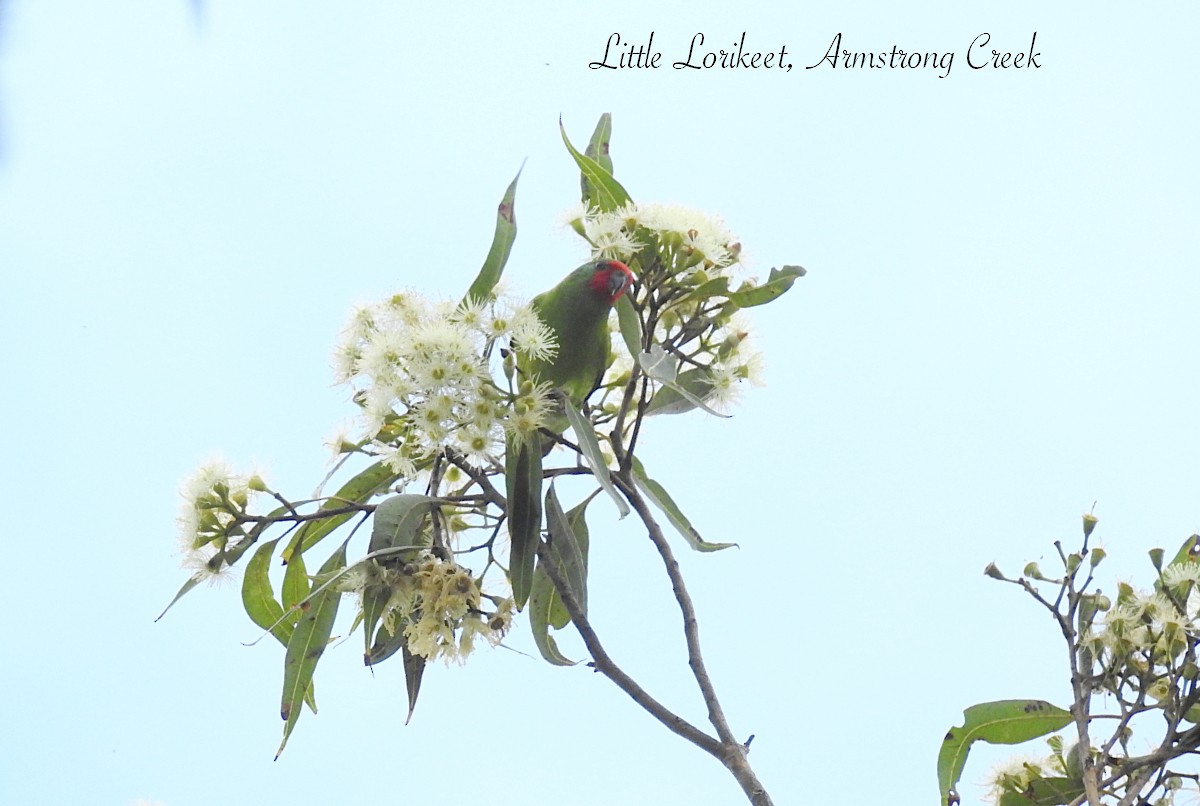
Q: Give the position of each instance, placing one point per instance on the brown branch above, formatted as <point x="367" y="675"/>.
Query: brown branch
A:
<point x="733" y="752"/>
<point x="604" y="664"/>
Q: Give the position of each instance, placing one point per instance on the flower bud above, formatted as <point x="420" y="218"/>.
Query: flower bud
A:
<point x="993" y="571"/>
<point x="1097" y="556"/>
<point x="1032" y="571"/>
<point x="1089" y="523"/>
<point x="257" y="484"/>
<point x="1073" y="561"/>
<point x="1156" y="558"/>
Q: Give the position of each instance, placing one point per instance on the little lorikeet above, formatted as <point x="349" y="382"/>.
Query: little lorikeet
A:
<point x="576" y="311"/>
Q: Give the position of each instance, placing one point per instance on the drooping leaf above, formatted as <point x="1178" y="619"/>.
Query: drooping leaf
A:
<point x="539" y="621"/>
<point x="296" y="586"/>
<point x="677" y="398"/>
<point x="307" y="644"/>
<point x="262" y="607"/>
<point x="631" y="326"/>
<point x="414" y="668"/>
<point x="258" y="597"/>
<point x="567" y="548"/>
<point x="375" y="597"/>
<point x="593" y="456"/>
<point x="386" y="645"/>
<point x="502" y="242"/>
<point x="557" y="613"/>
<point x="663" y="368"/>
<point x="661" y="499"/>
<point x="358" y="490"/>
<point x="597" y="150"/>
<point x="606" y="192"/>
<point x="187" y="586"/>
<point x="778" y="281"/>
<point x="398" y="521"/>
<point x="999" y="722"/>
<point x="523" y="480"/>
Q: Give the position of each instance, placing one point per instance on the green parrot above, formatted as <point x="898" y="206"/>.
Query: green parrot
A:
<point x="576" y="311"/>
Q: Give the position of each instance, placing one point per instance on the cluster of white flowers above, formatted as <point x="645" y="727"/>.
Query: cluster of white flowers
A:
<point x="684" y="236"/>
<point x="688" y="243"/>
<point x="438" y="608"/>
<point x="422" y="370"/>
<point x="1016" y="773"/>
<point x="211" y="497"/>
<point x="1143" y="622"/>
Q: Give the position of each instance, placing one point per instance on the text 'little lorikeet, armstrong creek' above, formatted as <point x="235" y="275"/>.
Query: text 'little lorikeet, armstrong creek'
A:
<point x="576" y="311"/>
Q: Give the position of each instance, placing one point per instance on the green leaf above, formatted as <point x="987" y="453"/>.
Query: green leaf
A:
<point x="414" y="668"/>
<point x="187" y="586"/>
<point x="539" y="623"/>
<point x="295" y="585"/>
<point x="523" y="480"/>
<point x="399" y="521"/>
<point x="659" y="366"/>
<point x="262" y="607"/>
<point x="593" y="456"/>
<point x="631" y="326"/>
<point x="999" y="722"/>
<point x="606" y="192"/>
<point x="558" y="616"/>
<point x="567" y="548"/>
<point x="258" y="597"/>
<point x="386" y="645"/>
<point x="677" y="397"/>
<point x="358" y="490"/>
<point x="716" y="287"/>
<point x="661" y="499"/>
<point x="374" y="601"/>
<point x="597" y="150"/>
<point x="307" y="644"/>
<point x="502" y="242"/>
<point x="779" y="281"/>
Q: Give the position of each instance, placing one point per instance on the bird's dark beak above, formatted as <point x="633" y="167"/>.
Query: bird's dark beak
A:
<point x="618" y="281"/>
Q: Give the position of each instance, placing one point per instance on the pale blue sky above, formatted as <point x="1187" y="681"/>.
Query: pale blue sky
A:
<point x="998" y="328"/>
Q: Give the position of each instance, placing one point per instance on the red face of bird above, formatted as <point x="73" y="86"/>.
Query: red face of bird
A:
<point x="611" y="279"/>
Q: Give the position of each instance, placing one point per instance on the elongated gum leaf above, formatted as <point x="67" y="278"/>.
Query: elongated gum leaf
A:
<point x="187" y="586"/>
<point x="593" y="456"/>
<point x="565" y="549"/>
<point x="606" y="192"/>
<point x="374" y="602"/>
<point x="597" y="149"/>
<point x="631" y="326"/>
<point x="502" y="242"/>
<point x="999" y="722"/>
<point x="295" y="584"/>
<point x="779" y="281"/>
<point x="540" y="603"/>
<point x="661" y="499"/>
<point x="558" y="617"/>
<point x="523" y="480"/>
<point x="259" y="598"/>
<point x="414" y="668"/>
<point x="307" y="644"/>
<point x="398" y="521"/>
<point x="671" y="399"/>
<point x="358" y="490"/>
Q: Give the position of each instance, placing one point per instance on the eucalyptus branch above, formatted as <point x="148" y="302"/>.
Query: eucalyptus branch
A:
<point x="605" y="665"/>
<point x="733" y="752"/>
